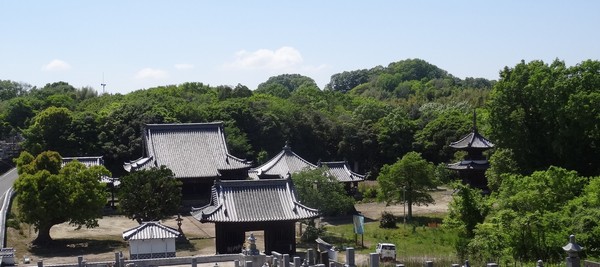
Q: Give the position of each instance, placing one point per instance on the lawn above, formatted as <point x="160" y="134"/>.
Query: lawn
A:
<point x="424" y="239"/>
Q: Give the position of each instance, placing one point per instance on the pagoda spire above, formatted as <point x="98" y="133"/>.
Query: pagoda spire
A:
<point x="474" y="120"/>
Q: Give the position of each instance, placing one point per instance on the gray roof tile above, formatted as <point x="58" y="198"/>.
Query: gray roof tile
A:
<point x="87" y="161"/>
<point x="150" y="230"/>
<point x="284" y="163"/>
<point x="340" y="170"/>
<point x="288" y="162"/>
<point x="472" y="140"/>
<point x="190" y="150"/>
<point x="253" y="201"/>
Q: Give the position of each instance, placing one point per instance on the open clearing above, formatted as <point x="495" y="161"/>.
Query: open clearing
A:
<point x="100" y="244"/>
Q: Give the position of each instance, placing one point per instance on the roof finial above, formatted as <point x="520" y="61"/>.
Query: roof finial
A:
<point x="287" y="145"/>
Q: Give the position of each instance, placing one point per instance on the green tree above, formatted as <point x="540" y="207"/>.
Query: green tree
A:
<point x="317" y="189"/>
<point x="51" y="130"/>
<point x="409" y="181"/>
<point x="527" y="221"/>
<point x="501" y="163"/>
<point x="434" y="139"/>
<point x="149" y="195"/>
<point x="548" y="115"/>
<point x="48" y="194"/>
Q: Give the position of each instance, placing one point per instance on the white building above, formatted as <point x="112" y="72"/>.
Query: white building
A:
<point x="151" y="240"/>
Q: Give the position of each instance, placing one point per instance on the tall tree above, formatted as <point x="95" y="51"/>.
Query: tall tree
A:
<point x="51" y="130"/>
<point x="48" y="194"/>
<point x="549" y="115"/>
<point x="150" y="195"/>
<point x="409" y="181"/>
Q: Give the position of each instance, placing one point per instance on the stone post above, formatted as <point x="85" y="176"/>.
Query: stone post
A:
<point x="373" y="259"/>
<point x="350" y="257"/>
<point x="428" y="264"/>
<point x="297" y="261"/>
<point x="539" y="263"/>
<point x="194" y="262"/>
<point x="248" y="264"/>
<point x="572" y="249"/>
<point x="467" y="263"/>
<point x="286" y="260"/>
<point x="117" y="263"/>
<point x="79" y="261"/>
<point x="310" y="255"/>
<point x="40" y="263"/>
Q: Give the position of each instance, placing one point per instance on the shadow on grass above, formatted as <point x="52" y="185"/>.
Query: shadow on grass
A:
<point x="77" y="247"/>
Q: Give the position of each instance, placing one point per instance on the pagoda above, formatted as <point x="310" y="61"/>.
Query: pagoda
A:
<point x="472" y="168"/>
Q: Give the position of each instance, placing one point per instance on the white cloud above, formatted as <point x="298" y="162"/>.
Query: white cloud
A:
<point x="184" y="66"/>
<point x="56" y="65"/>
<point x="282" y="58"/>
<point x="151" y="74"/>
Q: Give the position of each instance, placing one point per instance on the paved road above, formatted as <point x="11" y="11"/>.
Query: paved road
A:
<point x="7" y="180"/>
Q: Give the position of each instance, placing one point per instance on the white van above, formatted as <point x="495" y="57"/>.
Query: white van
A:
<point x="386" y="251"/>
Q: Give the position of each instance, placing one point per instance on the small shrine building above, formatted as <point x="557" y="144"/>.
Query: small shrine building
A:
<point x="151" y="240"/>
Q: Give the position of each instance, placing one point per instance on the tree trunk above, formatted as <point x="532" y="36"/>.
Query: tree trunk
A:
<point x="409" y="203"/>
<point x="43" y="237"/>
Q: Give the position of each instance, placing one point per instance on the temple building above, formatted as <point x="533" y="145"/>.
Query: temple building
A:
<point x="237" y="207"/>
<point x="472" y="168"/>
<point x="287" y="163"/>
<point x="196" y="153"/>
<point x="90" y="161"/>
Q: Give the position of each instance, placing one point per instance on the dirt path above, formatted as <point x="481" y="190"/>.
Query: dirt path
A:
<point x="373" y="210"/>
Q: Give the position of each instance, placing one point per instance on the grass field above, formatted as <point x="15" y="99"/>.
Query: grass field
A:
<point x="416" y="243"/>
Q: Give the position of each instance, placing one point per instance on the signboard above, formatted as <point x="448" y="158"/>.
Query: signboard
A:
<point x="359" y="224"/>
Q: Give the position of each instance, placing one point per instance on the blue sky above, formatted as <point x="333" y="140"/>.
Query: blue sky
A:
<point x="133" y="45"/>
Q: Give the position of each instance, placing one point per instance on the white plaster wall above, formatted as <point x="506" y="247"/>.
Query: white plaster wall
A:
<point x="151" y="246"/>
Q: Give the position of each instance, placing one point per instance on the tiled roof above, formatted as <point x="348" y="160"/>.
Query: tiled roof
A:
<point x="87" y="161"/>
<point x="190" y="150"/>
<point x="150" y="230"/>
<point x="472" y="140"/>
<point x="253" y="201"/>
<point x="470" y="165"/>
<point x="283" y="164"/>
<point x="340" y="170"/>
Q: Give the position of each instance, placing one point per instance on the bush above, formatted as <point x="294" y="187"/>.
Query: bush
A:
<point x="388" y="220"/>
<point x="312" y="232"/>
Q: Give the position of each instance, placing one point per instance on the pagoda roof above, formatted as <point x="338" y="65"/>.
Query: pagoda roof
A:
<point x="190" y="150"/>
<point x="283" y="164"/>
<point x="472" y="140"/>
<point x="253" y="201"/>
<point x="470" y="165"/>
<point x="341" y="171"/>
<point x="150" y="230"/>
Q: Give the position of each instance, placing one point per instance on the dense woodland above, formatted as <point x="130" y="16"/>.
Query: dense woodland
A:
<point x="538" y="115"/>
